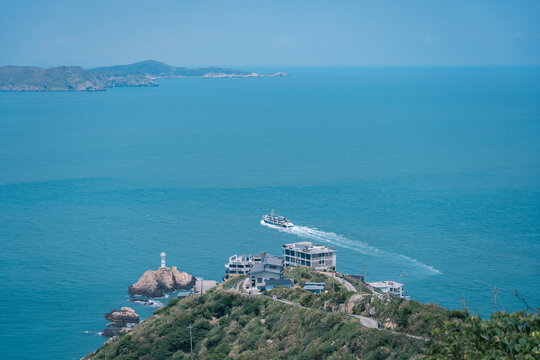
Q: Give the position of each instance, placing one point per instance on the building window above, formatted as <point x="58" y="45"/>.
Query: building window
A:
<point x="308" y="263"/>
<point x="259" y="280"/>
<point x="308" y="256"/>
<point x="303" y="262"/>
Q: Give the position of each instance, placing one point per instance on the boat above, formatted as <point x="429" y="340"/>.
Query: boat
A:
<point x="277" y="220"/>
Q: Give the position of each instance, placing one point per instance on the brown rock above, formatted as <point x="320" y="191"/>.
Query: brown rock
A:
<point x="120" y="320"/>
<point x="155" y="283"/>
<point x="114" y="331"/>
<point x="124" y="316"/>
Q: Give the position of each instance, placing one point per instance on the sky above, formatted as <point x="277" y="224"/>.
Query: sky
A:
<point x="271" y="32"/>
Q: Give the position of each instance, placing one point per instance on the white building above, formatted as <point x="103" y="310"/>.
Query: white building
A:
<point x="390" y="287"/>
<point x="242" y="264"/>
<point x="308" y="254"/>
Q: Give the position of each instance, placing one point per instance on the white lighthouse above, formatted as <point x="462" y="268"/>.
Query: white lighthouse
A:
<point x="163" y="255"/>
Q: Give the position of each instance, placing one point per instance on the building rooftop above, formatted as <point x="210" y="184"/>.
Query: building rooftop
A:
<point x="283" y="282"/>
<point x="184" y="293"/>
<point x="273" y="260"/>
<point x="307" y="246"/>
<point x="314" y="286"/>
<point x="239" y="258"/>
<point x="267" y="263"/>
<point x="386" y="283"/>
<point x="260" y="268"/>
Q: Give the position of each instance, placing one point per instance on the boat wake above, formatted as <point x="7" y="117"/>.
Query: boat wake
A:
<point x="344" y="242"/>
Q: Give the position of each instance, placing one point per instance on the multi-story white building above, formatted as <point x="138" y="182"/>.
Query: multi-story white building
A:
<point x="308" y="254"/>
<point x="242" y="264"/>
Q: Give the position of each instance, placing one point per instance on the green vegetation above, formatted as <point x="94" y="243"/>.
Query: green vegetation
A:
<point x="227" y="325"/>
<point x="309" y="275"/>
<point x="503" y="336"/>
<point x="359" y="285"/>
<point x="406" y="315"/>
<point x="400" y="315"/>
<point x="236" y="280"/>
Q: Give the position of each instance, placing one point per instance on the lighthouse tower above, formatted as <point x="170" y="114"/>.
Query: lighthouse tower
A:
<point x="163" y="259"/>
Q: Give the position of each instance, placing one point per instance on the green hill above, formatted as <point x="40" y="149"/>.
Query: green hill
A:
<point x="148" y="67"/>
<point x="234" y="326"/>
<point x="296" y="324"/>
<point x="75" y="78"/>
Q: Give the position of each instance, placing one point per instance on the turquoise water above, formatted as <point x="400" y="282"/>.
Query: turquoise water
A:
<point x="435" y="172"/>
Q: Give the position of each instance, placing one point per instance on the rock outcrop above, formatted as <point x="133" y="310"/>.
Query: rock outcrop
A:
<point x="155" y="283"/>
<point x="120" y="321"/>
<point x="123" y="317"/>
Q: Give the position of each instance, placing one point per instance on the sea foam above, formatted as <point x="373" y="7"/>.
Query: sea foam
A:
<point x="354" y="245"/>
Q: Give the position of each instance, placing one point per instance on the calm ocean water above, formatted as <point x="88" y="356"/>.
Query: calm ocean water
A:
<point x="435" y="172"/>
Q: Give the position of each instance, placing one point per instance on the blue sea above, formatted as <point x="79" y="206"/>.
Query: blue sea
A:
<point x="431" y="171"/>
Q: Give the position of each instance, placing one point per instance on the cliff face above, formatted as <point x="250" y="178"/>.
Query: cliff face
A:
<point x="155" y="283"/>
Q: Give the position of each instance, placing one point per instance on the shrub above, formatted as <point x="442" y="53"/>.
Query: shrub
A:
<point x="503" y="336"/>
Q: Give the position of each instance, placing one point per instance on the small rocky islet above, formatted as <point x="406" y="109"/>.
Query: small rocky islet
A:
<point x="153" y="283"/>
<point x="120" y="321"/>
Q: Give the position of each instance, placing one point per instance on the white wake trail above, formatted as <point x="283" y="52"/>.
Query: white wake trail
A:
<point x="341" y="241"/>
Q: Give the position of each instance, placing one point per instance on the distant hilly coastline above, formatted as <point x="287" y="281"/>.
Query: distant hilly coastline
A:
<point x="75" y="78"/>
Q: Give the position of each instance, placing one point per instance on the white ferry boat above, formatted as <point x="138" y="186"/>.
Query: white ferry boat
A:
<point x="277" y="220"/>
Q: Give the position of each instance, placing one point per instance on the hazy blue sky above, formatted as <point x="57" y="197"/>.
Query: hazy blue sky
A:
<point x="272" y="32"/>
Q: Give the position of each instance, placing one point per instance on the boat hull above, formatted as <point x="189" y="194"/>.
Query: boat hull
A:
<point x="289" y="225"/>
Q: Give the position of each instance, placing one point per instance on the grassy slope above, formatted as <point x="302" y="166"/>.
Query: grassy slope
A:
<point x="229" y="325"/>
<point x="401" y="315"/>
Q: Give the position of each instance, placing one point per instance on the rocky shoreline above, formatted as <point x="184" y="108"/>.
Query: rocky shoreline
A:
<point x="152" y="284"/>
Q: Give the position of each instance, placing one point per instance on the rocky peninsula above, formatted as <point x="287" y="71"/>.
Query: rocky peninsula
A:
<point x="75" y="78"/>
<point x="155" y="283"/>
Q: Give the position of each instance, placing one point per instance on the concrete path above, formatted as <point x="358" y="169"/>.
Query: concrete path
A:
<point x="362" y="320"/>
<point x="365" y="321"/>
<point x="347" y="284"/>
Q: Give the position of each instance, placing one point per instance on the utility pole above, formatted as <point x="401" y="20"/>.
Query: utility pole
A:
<point x="298" y="267"/>
<point x="495" y="291"/>
<point x="190" y="339"/>
<point x="365" y="273"/>
<point x="333" y="276"/>
<point x="404" y="275"/>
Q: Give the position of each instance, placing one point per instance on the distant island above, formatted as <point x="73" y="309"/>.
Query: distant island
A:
<point x="75" y="78"/>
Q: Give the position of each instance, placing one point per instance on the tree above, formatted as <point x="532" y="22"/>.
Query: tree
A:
<point x="503" y="336"/>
